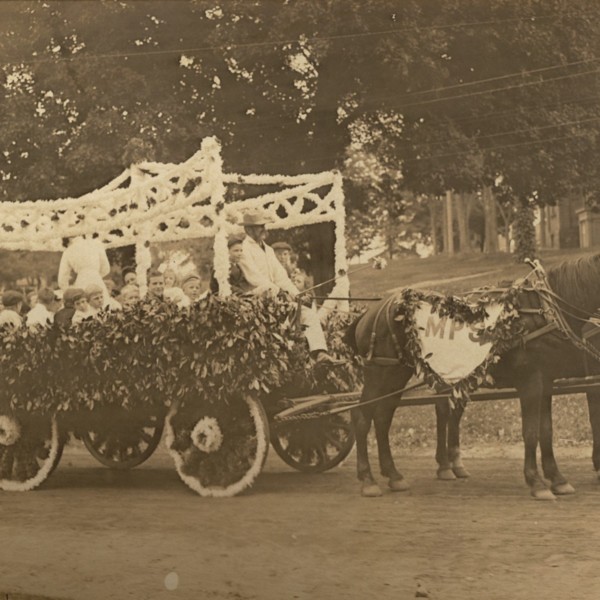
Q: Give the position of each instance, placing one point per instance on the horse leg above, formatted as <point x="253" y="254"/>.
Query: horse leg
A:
<point x="454" y="443"/>
<point x="442" y="417"/>
<point x="559" y="483"/>
<point x="593" y="400"/>
<point x="361" y="420"/>
<point x="383" y="420"/>
<point x="530" y="394"/>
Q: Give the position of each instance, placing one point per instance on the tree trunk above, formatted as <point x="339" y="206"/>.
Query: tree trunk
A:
<point x="490" y="243"/>
<point x="449" y="222"/>
<point x="433" y="223"/>
<point x="462" y="218"/>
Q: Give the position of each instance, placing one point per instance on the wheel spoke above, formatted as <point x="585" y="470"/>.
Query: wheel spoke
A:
<point x="145" y="436"/>
<point x="333" y="441"/>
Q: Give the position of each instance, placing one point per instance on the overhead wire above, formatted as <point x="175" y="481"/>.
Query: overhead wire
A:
<point x="503" y="133"/>
<point x="488" y="91"/>
<point x="274" y="43"/>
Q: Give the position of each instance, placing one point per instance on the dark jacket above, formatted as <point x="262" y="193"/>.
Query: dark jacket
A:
<point x="237" y="281"/>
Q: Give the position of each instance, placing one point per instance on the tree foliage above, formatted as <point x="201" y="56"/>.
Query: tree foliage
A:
<point x="452" y="95"/>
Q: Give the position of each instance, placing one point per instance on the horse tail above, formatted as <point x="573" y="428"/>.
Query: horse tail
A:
<point x="349" y="337"/>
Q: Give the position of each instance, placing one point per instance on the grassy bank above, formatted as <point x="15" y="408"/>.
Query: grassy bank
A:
<point x="451" y="273"/>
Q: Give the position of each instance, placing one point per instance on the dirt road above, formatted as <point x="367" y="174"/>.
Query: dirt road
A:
<point x="95" y="534"/>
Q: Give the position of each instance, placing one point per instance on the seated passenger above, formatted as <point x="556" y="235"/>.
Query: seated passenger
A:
<point x="237" y="281"/>
<point x="95" y="297"/>
<point x="130" y="294"/>
<point x="43" y="311"/>
<point x="10" y="314"/>
<point x="263" y="271"/>
<point x="129" y="276"/>
<point x="156" y="285"/>
<point x="192" y="286"/>
<point x="64" y="316"/>
<point x="283" y="252"/>
<point x="82" y="309"/>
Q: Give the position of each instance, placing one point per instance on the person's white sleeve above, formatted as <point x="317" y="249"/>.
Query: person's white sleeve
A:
<point x="254" y="276"/>
<point x="104" y="263"/>
<point x="64" y="271"/>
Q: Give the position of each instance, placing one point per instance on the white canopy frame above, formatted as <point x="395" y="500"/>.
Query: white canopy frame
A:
<point x="157" y="202"/>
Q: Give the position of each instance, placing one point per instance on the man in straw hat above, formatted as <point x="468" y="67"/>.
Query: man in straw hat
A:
<point x="264" y="272"/>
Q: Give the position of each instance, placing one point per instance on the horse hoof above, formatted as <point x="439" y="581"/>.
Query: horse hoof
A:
<point x="398" y="485"/>
<point x="461" y="472"/>
<point x="563" y="489"/>
<point x="371" y="490"/>
<point x="543" y="495"/>
<point x="446" y="475"/>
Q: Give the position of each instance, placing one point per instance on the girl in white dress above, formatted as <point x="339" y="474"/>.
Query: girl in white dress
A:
<point x="87" y="259"/>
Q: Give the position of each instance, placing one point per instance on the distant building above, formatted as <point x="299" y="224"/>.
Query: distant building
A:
<point x="560" y="226"/>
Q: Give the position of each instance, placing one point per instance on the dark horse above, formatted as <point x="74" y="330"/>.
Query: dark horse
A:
<point x="530" y="367"/>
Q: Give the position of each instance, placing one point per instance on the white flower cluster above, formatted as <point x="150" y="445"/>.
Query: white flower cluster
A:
<point x="207" y="435"/>
<point x="10" y="430"/>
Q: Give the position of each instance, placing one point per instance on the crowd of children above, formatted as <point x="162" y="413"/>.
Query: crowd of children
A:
<point x="47" y="305"/>
<point x="76" y="304"/>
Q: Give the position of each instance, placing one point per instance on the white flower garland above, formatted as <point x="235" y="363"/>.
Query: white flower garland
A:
<point x="207" y="435"/>
<point x="122" y="205"/>
<point x="10" y="485"/>
<point x="10" y="430"/>
<point x="262" y="437"/>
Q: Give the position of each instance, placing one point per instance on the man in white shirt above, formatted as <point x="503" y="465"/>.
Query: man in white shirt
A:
<point x="43" y="312"/>
<point x="265" y="273"/>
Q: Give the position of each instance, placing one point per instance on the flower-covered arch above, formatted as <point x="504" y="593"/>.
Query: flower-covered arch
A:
<point x="158" y="202"/>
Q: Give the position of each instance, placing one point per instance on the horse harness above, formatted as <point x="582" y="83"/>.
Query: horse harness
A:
<point x="536" y="281"/>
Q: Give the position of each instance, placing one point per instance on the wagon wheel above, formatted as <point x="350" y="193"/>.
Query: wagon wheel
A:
<point x="125" y="440"/>
<point x="219" y="450"/>
<point x="30" y="449"/>
<point x="314" y="445"/>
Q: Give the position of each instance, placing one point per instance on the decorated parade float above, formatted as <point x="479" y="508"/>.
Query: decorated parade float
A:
<point x="229" y="376"/>
<point x="213" y="375"/>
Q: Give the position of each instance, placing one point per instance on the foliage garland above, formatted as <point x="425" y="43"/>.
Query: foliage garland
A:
<point x="472" y="310"/>
<point x="148" y="356"/>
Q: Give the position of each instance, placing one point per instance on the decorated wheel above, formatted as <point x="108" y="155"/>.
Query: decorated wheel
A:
<point x="219" y="450"/>
<point x="30" y="449"/>
<point x="124" y="440"/>
<point x="314" y="445"/>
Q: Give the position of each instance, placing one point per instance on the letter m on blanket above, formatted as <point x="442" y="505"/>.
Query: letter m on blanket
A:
<point x="435" y="326"/>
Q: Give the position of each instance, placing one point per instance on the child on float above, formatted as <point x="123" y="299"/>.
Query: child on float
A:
<point x="10" y="315"/>
<point x="130" y="295"/>
<point x="156" y="285"/>
<point x="129" y="276"/>
<point x="82" y="308"/>
<point x="192" y="287"/>
<point x="173" y="293"/>
<point x="64" y="316"/>
<point x="95" y="297"/>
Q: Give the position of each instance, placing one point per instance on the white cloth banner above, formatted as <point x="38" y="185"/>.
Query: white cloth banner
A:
<point x="451" y="348"/>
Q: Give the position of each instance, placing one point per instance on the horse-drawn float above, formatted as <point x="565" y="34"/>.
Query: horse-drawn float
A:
<point x="212" y="375"/>
<point x="229" y="376"/>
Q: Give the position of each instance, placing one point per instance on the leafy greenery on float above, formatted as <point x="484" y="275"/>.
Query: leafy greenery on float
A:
<point x="154" y="353"/>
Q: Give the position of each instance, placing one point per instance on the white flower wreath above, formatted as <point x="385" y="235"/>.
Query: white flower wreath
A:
<point x="207" y="435"/>
<point x="10" y="430"/>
